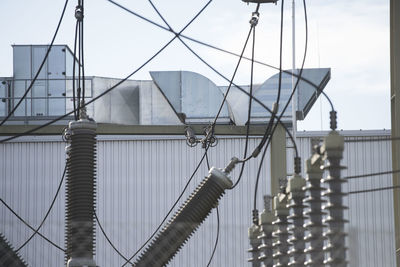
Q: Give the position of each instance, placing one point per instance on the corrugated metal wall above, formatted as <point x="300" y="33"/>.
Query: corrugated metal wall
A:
<point x="139" y="178"/>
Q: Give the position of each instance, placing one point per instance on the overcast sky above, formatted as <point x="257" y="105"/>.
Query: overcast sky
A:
<point x="351" y="37"/>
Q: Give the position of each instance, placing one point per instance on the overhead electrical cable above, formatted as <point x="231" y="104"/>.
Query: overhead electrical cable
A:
<point x="268" y="132"/>
<point x="47" y="213"/>
<point x="171" y="209"/>
<point x="222" y="50"/>
<point x="253" y="25"/>
<point x="395" y="138"/>
<point x="374" y="190"/>
<point x="252" y="29"/>
<point x="40" y="67"/>
<point x="108" y="90"/>
<point x="29" y="226"/>
<point x="233" y="75"/>
<point x="371" y="174"/>
<point x="218" y="224"/>
<point x="283" y="111"/>
<point x="217" y="238"/>
<point x="109" y="240"/>
<point x="73" y="74"/>
<point x="236" y="86"/>
<point x="194" y="172"/>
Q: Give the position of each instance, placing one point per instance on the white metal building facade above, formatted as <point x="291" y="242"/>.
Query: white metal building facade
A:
<point x="140" y="177"/>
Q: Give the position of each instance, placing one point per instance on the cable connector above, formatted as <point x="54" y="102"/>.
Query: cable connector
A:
<point x="254" y="19"/>
<point x="297" y="165"/>
<point x="79" y="12"/>
<point x="275" y="107"/>
<point x="231" y="165"/>
<point x="333" y="119"/>
<point x="255" y="217"/>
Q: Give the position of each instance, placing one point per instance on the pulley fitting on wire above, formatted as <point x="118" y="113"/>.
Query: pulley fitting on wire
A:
<point x="208" y="140"/>
<point x="254" y="19"/>
<point x="79" y="12"/>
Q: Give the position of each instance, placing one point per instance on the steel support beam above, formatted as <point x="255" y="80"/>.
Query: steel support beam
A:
<point x="395" y="111"/>
<point x="278" y="158"/>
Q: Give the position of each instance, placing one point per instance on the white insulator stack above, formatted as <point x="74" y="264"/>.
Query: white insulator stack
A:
<point x="255" y="242"/>
<point x="314" y="201"/>
<point x="335" y="235"/>
<point x="281" y="245"/>
<point x="295" y="197"/>
<point x="266" y="229"/>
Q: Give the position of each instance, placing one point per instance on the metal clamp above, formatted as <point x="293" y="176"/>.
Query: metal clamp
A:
<point x="254" y="19"/>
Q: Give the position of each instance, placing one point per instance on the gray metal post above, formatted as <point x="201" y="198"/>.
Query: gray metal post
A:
<point x="395" y="110"/>
<point x="281" y="245"/>
<point x="278" y="158"/>
<point x="335" y="234"/>
<point x="295" y="196"/>
<point x="266" y="219"/>
<point x="314" y="201"/>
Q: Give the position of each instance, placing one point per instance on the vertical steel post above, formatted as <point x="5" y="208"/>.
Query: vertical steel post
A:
<point x="395" y="112"/>
<point x="295" y="197"/>
<point x="314" y="201"/>
<point x="278" y="158"/>
<point x="335" y="234"/>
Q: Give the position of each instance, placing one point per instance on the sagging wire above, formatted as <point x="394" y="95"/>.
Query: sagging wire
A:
<point x="223" y="50"/>
<point x="206" y="149"/>
<point x="253" y="23"/>
<point x="36" y="231"/>
<point x="374" y="190"/>
<point x="29" y="226"/>
<point x="297" y="159"/>
<point x="109" y="240"/>
<point x="80" y="91"/>
<point x="220" y="74"/>
<point x="218" y="223"/>
<point x="40" y="67"/>
<point x="171" y="209"/>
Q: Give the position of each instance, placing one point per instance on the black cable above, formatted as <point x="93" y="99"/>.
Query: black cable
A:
<point x="222" y="50"/>
<point x="195" y="171"/>
<point x="40" y="67"/>
<point x="29" y="226"/>
<point x="83" y="58"/>
<point x="171" y="209"/>
<point x="218" y="223"/>
<point x="234" y="73"/>
<point x="78" y="111"/>
<point x="225" y="78"/>
<point x="73" y="72"/>
<point x="216" y="239"/>
<point x="208" y="163"/>
<point x="280" y="56"/>
<point x="106" y="91"/>
<point x="283" y="111"/>
<point x="273" y="115"/>
<point x="371" y="174"/>
<point x="47" y="213"/>
<point x="249" y="109"/>
<point x="270" y="123"/>
<point x="374" y="190"/>
<point x="108" y="239"/>
<point x="395" y="138"/>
